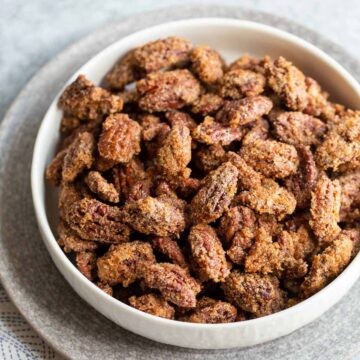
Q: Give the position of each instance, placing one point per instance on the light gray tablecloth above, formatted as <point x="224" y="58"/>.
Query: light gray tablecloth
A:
<point x="32" y="32"/>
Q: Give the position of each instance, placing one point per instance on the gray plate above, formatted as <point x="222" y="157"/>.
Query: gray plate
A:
<point x="35" y="286"/>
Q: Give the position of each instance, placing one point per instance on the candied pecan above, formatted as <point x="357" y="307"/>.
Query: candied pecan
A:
<point x="180" y="118"/>
<point x="248" y="177"/>
<point x="271" y="158"/>
<point x="211" y="311"/>
<point x="247" y="62"/>
<point x="317" y="102"/>
<point x="100" y="186"/>
<point x="244" y="111"/>
<point x="120" y="138"/>
<point x="302" y="183"/>
<point x="207" y="64"/>
<point x="68" y="194"/>
<point x="140" y="190"/>
<point x="70" y="241"/>
<point x="53" y="172"/>
<point x="350" y="196"/>
<point x="69" y="123"/>
<point x="328" y="265"/>
<point x="123" y="72"/>
<point x="106" y="288"/>
<point x="296" y="128"/>
<point x="154" y="216"/>
<point x="86" y="263"/>
<point x="269" y="198"/>
<point x="128" y="175"/>
<point x="162" y="53"/>
<point x="237" y="219"/>
<point x="214" y="197"/>
<point x="325" y="209"/>
<point x="239" y="83"/>
<point x="211" y="132"/>
<point x="171" y="249"/>
<point x="173" y="282"/>
<point x="94" y="220"/>
<point x="168" y="90"/>
<point x="254" y="293"/>
<point x="122" y="263"/>
<point x="79" y="156"/>
<point x="288" y="82"/>
<point x="208" y="253"/>
<point x="265" y="256"/>
<point x="153" y="304"/>
<point x="243" y="238"/>
<point x="151" y="126"/>
<point x="129" y="97"/>
<point x="86" y="101"/>
<point x="336" y="151"/>
<point x="175" y="152"/>
<point x="210" y="157"/>
<point x="101" y="164"/>
<point x="259" y="131"/>
<point x="207" y="103"/>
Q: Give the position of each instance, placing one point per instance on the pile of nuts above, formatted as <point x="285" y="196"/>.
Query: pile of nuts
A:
<point x="205" y="192"/>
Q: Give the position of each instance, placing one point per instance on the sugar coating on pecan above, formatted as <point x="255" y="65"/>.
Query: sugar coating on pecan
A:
<point x="271" y="158"/>
<point x="167" y="90"/>
<point x="53" y="172"/>
<point x="207" y="104"/>
<point x="254" y="293"/>
<point x="247" y="62"/>
<point x="173" y="282"/>
<point x="171" y="249"/>
<point x="325" y="209"/>
<point x="259" y="131"/>
<point x="180" y="118"/>
<point x="215" y="196"/>
<point x="261" y="194"/>
<point x="317" y="103"/>
<point x="350" y="196"/>
<point x="151" y="126"/>
<point x="86" y="263"/>
<point x="207" y="64"/>
<point x="238" y="83"/>
<point x="79" y="156"/>
<point x="328" y="264"/>
<point x="122" y="264"/>
<point x="162" y="53"/>
<point x="211" y="132"/>
<point x="100" y="186"/>
<point x="208" y="253"/>
<point x="70" y="241"/>
<point x="93" y="220"/>
<point x="154" y="216"/>
<point x="120" y="138"/>
<point x="297" y="128"/>
<point x="244" y="111"/>
<point x="211" y="311"/>
<point x="175" y="153"/>
<point x="210" y="157"/>
<point x="86" y="101"/>
<point x="123" y="72"/>
<point x="238" y="226"/>
<point x="153" y="304"/>
<point x="288" y="82"/>
<point x="69" y="123"/>
<point x="303" y="181"/>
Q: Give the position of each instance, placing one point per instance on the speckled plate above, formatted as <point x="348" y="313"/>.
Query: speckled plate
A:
<point x="30" y="278"/>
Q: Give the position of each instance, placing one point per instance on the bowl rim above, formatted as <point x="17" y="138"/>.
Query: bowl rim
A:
<point x="40" y="207"/>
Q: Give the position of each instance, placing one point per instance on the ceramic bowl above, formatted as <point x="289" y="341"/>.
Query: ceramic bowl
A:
<point x="231" y="38"/>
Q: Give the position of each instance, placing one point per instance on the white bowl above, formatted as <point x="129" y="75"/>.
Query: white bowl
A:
<point x="232" y="38"/>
